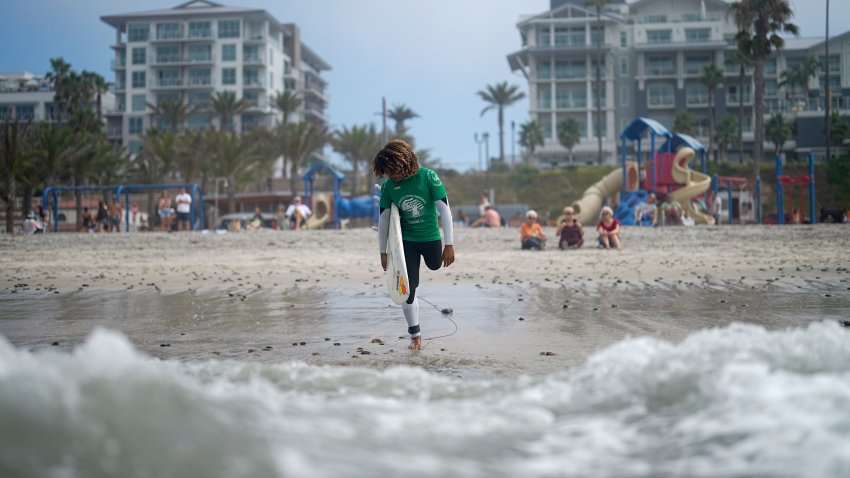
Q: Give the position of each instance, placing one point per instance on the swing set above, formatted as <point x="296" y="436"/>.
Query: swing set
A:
<point x="797" y="183"/>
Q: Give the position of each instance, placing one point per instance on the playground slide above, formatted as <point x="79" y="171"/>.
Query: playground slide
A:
<point x="321" y="212"/>
<point x="587" y="208"/>
<point x="695" y="183"/>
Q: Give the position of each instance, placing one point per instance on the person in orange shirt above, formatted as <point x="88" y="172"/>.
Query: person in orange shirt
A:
<point x="531" y="234"/>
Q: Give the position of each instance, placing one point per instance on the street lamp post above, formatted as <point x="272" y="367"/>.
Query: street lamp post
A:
<point x="486" y="136"/>
<point x="479" y="142"/>
<point x="513" y="141"/>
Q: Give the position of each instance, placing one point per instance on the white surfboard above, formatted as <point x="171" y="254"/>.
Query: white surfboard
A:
<point x="397" y="281"/>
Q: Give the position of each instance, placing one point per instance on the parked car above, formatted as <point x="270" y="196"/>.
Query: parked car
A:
<point x="244" y="218"/>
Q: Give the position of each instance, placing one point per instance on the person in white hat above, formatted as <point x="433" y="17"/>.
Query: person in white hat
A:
<point x="609" y="230"/>
<point x="531" y="234"/>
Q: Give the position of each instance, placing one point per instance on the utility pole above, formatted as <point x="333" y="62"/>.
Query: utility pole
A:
<point x="486" y="136"/>
<point x="826" y="87"/>
<point x="513" y="142"/>
<point x="384" y="117"/>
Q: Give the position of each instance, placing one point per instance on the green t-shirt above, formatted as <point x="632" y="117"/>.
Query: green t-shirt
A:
<point x="414" y="196"/>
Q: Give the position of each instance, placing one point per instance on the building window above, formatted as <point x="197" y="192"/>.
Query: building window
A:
<point x="571" y="69"/>
<point x="200" y="30"/>
<point x="656" y="18"/>
<point x="201" y="77"/>
<point x="695" y="65"/>
<point x="138" y="79"/>
<point x="770" y="66"/>
<point x="569" y="36"/>
<point x="660" y="66"/>
<point x="136" y="124"/>
<point x="198" y="98"/>
<point x="168" y="54"/>
<point x="228" y="28"/>
<point x="544" y="70"/>
<point x="660" y="95"/>
<point x="602" y="98"/>
<point x="544" y="36"/>
<point x="696" y="94"/>
<point x="228" y="52"/>
<point x="134" y="147"/>
<point x="834" y="64"/>
<point x="546" y="124"/>
<point x="597" y="35"/>
<point x="624" y="96"/>
<point x="624" y="40"/>
<point x="228" y="76"/>
<point x="138" y="103"/>
<point x="732" y="95"/>
<point x="139" y="56"/>
<point x="624" y="66"/>
<point x="697" y="35"/>
<point x="199" y="53"/>
<point x="659" y="36"/>
<point x="571" y="97"/>
<point x="5" y="112"/>
<point x="544" y="99"/>
<point x="770" y="87"/>
<point x="251" y="53"/>
<point x="168" y="31"/>
<point x="138" y="32"/>
<point x="198" y="122"/>
<point x="25" y="112"/>
<point x="121" y="103"/>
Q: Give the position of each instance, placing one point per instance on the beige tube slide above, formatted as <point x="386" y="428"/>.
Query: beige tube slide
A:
<point x="587" y="208"/>
<point x="695" y="183"/>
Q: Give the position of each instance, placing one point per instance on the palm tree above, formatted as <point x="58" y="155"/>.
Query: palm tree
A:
<point x="712" y="77"/>
<point x="357" y="145"/>
<point x="727" y="135"/>
<point x="791" y="78"/>
<point x="569" y="135"/>
<point x="500" y="96"/>
<point x="163" y="147"/>
<point x="401" y="113"/>
<point x="760" y="24"/>
<point x="777" y="131"/>
<point x="175" y="111"/>
<point x="17" y="143"/>
<point x="287" y="103"/>
<point x="598" y="5"/>
<point x="225" y="106"/>
<point x="744" y="60"/>
<point x="299" y="141"/>
<point x="530" y="137"/>
<point x="98" y="86"/>
<point x="240" y="159"/>
<point x="55" y="150"/>
<point x="685" y="123"/>
<point x="839" y="129"/>
<point x="60" y="68"/>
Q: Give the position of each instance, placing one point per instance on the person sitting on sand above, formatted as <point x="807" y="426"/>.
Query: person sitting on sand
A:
<point x="531" y="234"/>
<point x="646" y="212"/>
<point x="256" y="221"/>
<point x="490" y="218"/>
<point x="609" y="230"/>
<point x="672" y="211"/>
<point x="297" y="213"/>
<point x="570" y="231"/>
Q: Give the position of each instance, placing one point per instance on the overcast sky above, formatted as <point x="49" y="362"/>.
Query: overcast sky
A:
<point x="431" y="55"/>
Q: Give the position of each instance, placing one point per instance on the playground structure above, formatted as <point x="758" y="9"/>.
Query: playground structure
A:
<point x="52" y="192"/>
<point x="799" y="182"/>
<point x="736" y="202"/>
<point x="333" y="208"/>
<point x="668" y="172"/>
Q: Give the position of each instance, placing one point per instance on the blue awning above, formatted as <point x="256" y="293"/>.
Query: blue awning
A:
<point x="639" y="126"/>
<point x="320" y="165"/>
<point x="679" y="140"/>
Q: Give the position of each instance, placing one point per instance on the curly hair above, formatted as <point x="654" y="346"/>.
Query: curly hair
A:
<point x="395" y="159"/>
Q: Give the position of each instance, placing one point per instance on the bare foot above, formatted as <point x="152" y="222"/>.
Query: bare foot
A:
<point x="415" y="343"/>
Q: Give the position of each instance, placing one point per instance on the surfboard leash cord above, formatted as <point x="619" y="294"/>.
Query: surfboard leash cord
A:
<point x="441" y="313"/>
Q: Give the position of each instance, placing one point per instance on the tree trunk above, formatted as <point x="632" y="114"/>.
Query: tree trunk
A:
<point x="711" y="112"/>
<point x="741" y="116"/>
<point x="231" y="194"/>
<point x="26" y="206"/>
<point x="758" y="131"/>
<point x="10" y="204"/>
<point x="596" y="126"/>
<point x="293" y="178"/>
<point x="152" y="213"/>
<point x="501" y="138"/>
<point x="78" y="207"/>
<point x="355" y="181"/>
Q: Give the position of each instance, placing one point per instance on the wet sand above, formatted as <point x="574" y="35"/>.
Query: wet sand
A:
<point x="259" y="296"/>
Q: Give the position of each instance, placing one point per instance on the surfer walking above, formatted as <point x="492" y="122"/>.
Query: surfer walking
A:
<point x="418" y="194"/>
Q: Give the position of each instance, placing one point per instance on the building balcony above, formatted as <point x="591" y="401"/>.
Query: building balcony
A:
<point x="317" y="94"/>
<point x="253" y="37"/>
<point x="316" y="115"/>
<point x="257" y="60"/>
<point x="167" y="84"/>
<point x="119" y="65"/>
<point x="569" y="48"/>
<point x="183" y="60"/>
<point x="199" y="82"/>
<point x="114" y="132"/>
<point x="680" y="45"/>
<point x="253" y="83"/>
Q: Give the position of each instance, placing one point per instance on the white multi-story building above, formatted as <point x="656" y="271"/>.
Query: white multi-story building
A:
<point x="30" y="98"/>
<point x="654" y="52"/>
<point x="201" y="47"/>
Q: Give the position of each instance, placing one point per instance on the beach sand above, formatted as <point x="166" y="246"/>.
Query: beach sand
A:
<point x="259" y="296"/>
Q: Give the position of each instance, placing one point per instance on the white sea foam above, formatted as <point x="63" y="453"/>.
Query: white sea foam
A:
<point x="737" y="401"/>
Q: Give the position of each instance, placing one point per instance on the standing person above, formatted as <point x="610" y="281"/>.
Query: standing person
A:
<point x="571" y="232"/>
<point x="717" y="204"/>
<point x="531" y="234"/>
<point x="297" y="213"/>
<point x="88" y="221"/>
<point x="134" y="216"/>
<point x="102" y="218"/>
<point x="44" y="217"/>
<point x="609" y="230"/>
<point x="184" y="207"/>
<point x="115" y="212"/>
<point x="419" y="194"/>
<point x="164" y="209"/>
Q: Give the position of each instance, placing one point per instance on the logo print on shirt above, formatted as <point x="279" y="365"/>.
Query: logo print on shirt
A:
<point x="435" y="180"/>
<point x="413" y="206"/>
